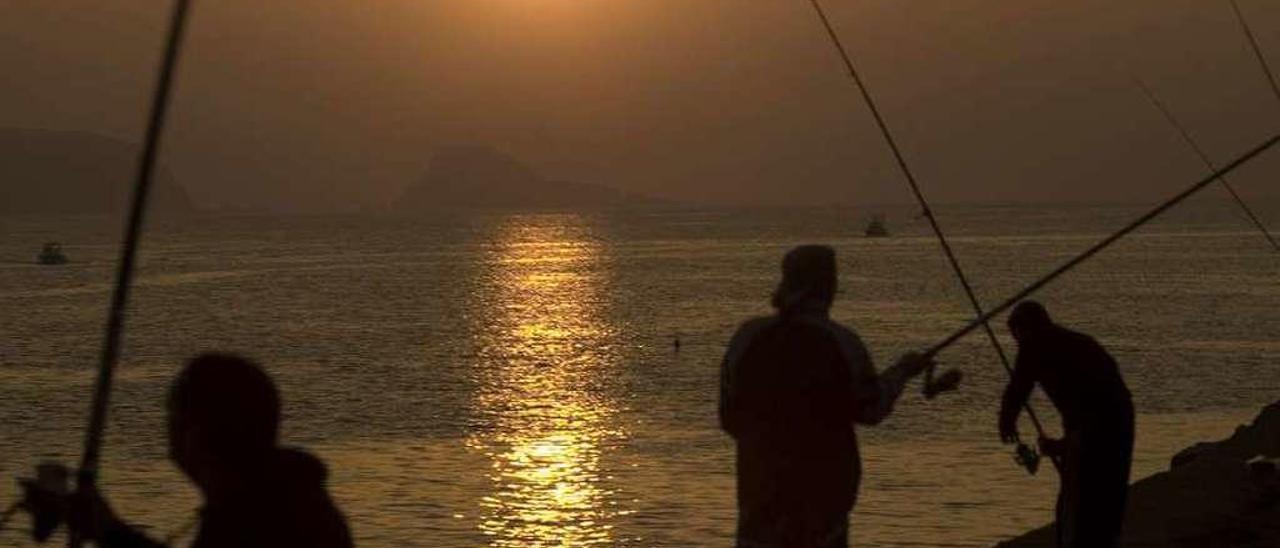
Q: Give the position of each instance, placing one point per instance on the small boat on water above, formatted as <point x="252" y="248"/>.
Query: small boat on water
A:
<point x="876" y="228"/>
<point x="52" y="254"/>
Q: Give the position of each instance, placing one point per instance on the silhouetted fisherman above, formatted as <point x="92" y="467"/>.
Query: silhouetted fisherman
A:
<point x="792" y="387"/>
<point x="1084" y="383"/>
<point x="224" y="418"/>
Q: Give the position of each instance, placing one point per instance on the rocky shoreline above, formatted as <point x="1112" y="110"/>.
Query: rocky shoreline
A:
<point x="1224" y="493"/>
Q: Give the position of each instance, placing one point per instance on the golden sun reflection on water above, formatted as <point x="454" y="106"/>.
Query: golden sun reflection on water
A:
<point x="543" y="375"/>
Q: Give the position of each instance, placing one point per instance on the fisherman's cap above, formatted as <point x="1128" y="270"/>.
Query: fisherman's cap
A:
<point x="807" y="271"/>
<point x="809" y="263"/>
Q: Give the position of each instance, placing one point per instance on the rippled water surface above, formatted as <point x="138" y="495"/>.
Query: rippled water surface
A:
<point x="510" y="380"/>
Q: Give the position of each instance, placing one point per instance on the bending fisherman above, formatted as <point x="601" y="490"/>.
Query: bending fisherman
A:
<point x="792" y="387"/>
<point x="1084" y="383"/>
<point x="224" y="419"/>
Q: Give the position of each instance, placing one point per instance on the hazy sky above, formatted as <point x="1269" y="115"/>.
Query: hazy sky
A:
<point x="322" y="104"/>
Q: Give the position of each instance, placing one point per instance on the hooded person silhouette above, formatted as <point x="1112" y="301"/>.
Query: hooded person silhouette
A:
<point x="223" y="429"/>
<point x="793" y="385"/>
<point x="1096" y="451"/>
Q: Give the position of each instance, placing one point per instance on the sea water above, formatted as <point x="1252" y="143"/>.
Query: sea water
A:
<point x="511" y="379"/>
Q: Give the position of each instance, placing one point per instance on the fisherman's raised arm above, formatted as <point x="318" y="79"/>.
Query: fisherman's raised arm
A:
<point x="875" y="393"/>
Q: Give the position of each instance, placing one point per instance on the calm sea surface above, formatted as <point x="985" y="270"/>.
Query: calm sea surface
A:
<point x="509" y="380"/>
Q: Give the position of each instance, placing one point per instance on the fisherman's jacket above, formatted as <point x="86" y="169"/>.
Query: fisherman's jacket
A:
<point x="792" y="387"/>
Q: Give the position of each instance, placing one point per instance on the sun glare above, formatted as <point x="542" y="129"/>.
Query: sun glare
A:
<point x="540" y="383"/>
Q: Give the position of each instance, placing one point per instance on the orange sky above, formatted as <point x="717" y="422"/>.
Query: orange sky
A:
<point x="321" y="104"/>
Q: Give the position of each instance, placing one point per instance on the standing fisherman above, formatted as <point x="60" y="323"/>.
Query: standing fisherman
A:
<point x="1084" y="383"/>
<point x="792" y="387"/>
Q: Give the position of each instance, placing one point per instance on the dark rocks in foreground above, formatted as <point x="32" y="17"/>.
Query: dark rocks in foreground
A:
<point x="477" y="177"/>
<point x="45" y="172"/>
<point x="1224" y="493"/>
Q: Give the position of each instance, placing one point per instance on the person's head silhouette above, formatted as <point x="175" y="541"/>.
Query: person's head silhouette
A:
<point x="224" y="415"/>
<point x="808" y="278"/>
<point x="1028" y="319"/>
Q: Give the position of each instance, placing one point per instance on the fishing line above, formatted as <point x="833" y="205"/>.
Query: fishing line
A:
<point x="88" y="472"/>
<point x="1204" y="157"/>
<point x="1105" y="243"/>
<point x="926" y="211"/>
<point x="1257" y="51"/>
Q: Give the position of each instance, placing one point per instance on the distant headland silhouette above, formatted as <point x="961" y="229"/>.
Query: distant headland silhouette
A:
<point x="75" y="173"/>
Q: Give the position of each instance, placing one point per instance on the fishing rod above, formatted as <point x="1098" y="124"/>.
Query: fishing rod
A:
<point x="1204" y="157"/>
<point x="88" y="472"/>
<point x="1257" y="50"/>
<point x="1105" y="243"/>
<point x="951" y="378"/>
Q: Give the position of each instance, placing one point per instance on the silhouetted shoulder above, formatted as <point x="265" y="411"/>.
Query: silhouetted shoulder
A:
<point x="1082" y="344"/>
<point x="318" y="520"/>
<point x="754" y="326"/>
<point x="1073" y="337"/>
<point x="1093" y="343"/>
<point x="746" y="333"/>
<point x="848" y="341"/>
<point x="285" y="504"/>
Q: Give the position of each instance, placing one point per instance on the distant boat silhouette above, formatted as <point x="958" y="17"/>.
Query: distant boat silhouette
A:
<point x="876" y="228"/>
<point x="52" y="254"/>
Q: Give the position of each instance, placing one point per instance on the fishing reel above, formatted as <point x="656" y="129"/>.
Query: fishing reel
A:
<point x="949" y="381"/>
<point x="46" y="497"/>
<point x="1027" y="457"/>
